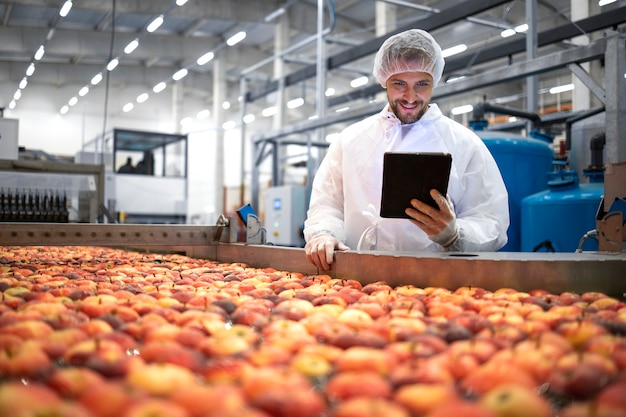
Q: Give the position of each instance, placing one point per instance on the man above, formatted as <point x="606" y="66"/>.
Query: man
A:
<point x="345" y="199"/>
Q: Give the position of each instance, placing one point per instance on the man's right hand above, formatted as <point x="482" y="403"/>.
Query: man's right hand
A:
<point x="320" y="249"/>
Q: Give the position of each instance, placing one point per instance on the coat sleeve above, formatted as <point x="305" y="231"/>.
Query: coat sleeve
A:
<point x="482" y="210"/>
<point x="326" y="206"/>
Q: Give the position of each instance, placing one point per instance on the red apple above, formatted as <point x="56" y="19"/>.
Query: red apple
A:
<point x="369" y="407"/>
<point x="421" y="399"/>
<point x="350" y="384"/>
<point x="516" y="401"/>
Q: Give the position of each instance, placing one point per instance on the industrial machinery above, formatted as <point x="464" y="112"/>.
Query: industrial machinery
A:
<point x="146" y="174"/>
<point x="554" y="272"/>
<point x="285" y="211"/>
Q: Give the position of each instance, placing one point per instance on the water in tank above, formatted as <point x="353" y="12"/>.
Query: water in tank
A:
<point x="524" y="163"/>
<point x="555" y="220"/>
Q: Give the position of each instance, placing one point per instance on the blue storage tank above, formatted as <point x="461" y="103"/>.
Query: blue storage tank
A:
<point x="523" y="163"/>
<point x="556" y="219"/>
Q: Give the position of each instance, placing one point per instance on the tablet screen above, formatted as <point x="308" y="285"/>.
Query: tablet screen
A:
<point x="408" y="175"/>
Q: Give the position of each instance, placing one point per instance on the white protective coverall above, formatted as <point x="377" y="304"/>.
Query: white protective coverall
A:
<point x="346" y="190"/>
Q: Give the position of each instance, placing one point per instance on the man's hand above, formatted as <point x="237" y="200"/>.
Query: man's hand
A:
<point x="320" y="249"/>
<point x="440" y="225"/>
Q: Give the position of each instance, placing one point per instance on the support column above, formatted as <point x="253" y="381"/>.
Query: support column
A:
<point x="219" y="95"/>
<point x="581" y="96"/>
<point x="615" y="87"/>
<point x="532" y="85"/>
<point x="281" y="42"/>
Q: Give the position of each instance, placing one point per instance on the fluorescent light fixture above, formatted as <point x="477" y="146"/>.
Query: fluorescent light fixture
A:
<point x="561" y="88"/>
<point x="330" y="92"/>
<point x="17" y="95"/>
<point x="229" y="125"/>
<point x="155" y="24"/>
<point x="295" y="103"/>
<point x="226" y="105"/>
<point x="64" y="109"/>
<point x="274" y="14"/>
<point x="342" y="109"/>
<point x="113" y="64"/>
<point x="236" y="38"/>
<point x="605" y="2"/>
<point x="506" y="33"/>
<point x="132" y="45"/>
<point x="249" y="118"/>
<point x="203" y="114"/>
<point x="466" y="108"/>
<point x="30" y="69"/>
<point x="159" y="87"/>
<point x="269" y="111"/>
<point x="96" y="79"/>
<point x="39" y="53"/>
<point x="73" y="101"/>
<point x="359" y="82"/>
<point x="521" y="28"/>
<point x="186" y="121"/>
<point x="128" y="107"/>
<point x="65" y="9"/>
<point x="206" y="58"/>
<point x="457" y="49"/>
<point x="142" y="97"/>
<point x="83" y="91"/>
<point x="453" y="79"/>
<point x="180" y="74"/>
<point x="331" y="137"/>
<point x="12" y="104"/>
<point x="181" y="2"/>
<point x="23" y="83"/>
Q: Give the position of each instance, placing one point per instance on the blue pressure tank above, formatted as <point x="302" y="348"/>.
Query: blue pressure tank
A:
<point x="523" y="163"/>
<point x="555" y="220"/>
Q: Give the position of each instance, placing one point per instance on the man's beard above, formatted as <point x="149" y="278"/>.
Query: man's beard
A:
<point x="412" y="117"/>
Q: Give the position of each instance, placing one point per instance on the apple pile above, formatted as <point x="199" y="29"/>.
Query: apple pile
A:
<point x="102" y="332"/>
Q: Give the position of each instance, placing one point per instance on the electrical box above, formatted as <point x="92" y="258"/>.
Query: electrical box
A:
<point x="285" y="211"/>
<point x="8" y="138"/>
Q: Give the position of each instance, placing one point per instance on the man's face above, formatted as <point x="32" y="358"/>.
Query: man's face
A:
<point x="409" y="94"/>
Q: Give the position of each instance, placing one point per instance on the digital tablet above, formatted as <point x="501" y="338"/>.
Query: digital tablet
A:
<point x="408" y="175"/>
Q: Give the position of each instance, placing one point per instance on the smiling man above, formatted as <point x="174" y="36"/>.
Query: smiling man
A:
<point x="345" y="198"/>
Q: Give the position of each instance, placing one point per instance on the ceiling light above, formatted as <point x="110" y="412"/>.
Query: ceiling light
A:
<point x="17" y="95"/>
<point x="181" y="2"/>
<point x="330" y="92"/>
<point x="142" y="97"/>
<point x="203" y="114"/>
<point x="295" y="103"/>
<point x="229" y="125"/>
<point x="605" y="2"/>
<point x="269" y="111"/>
<point x="30" y="70"/>
<point x="342" y="109"/>
<point x="39" y="53"/>
<point x="186" y="121"/>
<point x="180" y="74"/>
<point x="236" y="38"/>
<point x="65" y="9"/>
<point x="12" y="104"/>
<point x="226" y="105"/>
<point x="359" y="82"/>
<point x="274" y="14"/>
<point x="128" y="107"/>
<point x="83" y="91"/>
<point x="155" y="24"/>
<point x="561" y="88"/>
<point x="23" y="83"/>
<point x="507" y="33"/>
<point x="96" y="79"/>
<point x="64" y="109"/>
<point x="159" y="87"/>
<point x="521" y="28"/>
<point x="132" y="45"/>
<point x="457" y="49"/>
<point x="466" y="108"/>
<point x="455" y="78"/>
<point x="113" y="64"/>
<point x="204" y="59"/>
<point x="73" y="101"/>
<point x="249" y="118"/>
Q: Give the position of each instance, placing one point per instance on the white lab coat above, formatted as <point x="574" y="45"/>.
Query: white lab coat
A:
<point x="346" y="190"/>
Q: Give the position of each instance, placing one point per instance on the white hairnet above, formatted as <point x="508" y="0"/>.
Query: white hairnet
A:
<point x="414" y="50"/>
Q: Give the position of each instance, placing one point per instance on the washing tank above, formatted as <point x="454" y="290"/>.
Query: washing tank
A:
<point x="557" y="219"/>
<point x="523" y="163"/>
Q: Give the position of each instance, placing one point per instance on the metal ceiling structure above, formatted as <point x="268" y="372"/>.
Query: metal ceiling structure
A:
<point x="80" y="45"/>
